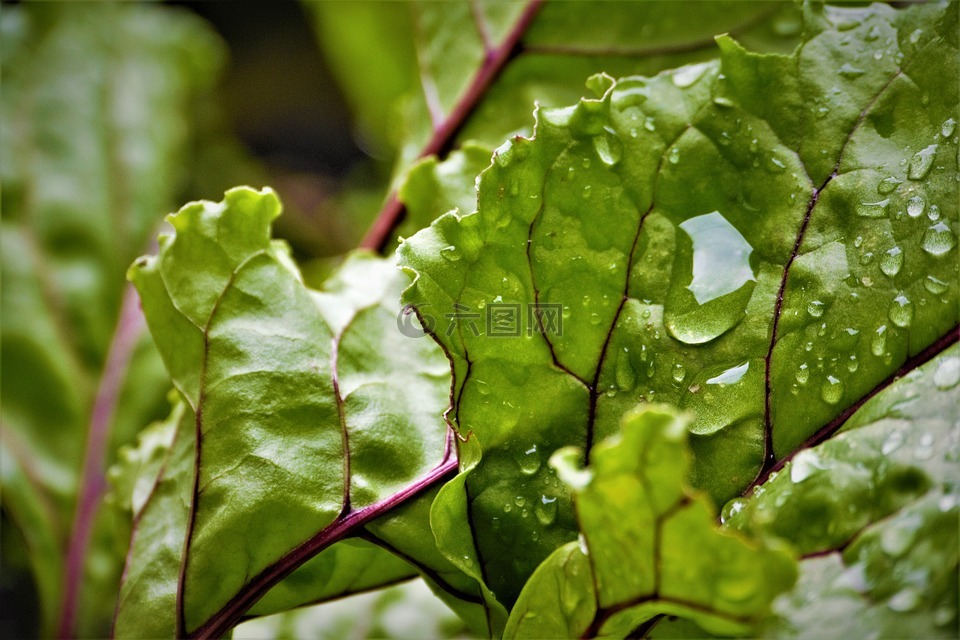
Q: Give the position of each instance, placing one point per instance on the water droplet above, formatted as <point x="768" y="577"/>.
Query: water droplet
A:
<point x="507" y="508"/>
<point x="585" y="194"/>
<point x="679" y="373"/>
<point x="887" y="185"/>
<point x="732" y="508"/>
<point x="853" y="364"/>
<point x="878" y="346"/>
<point x="939" y="239"/>
<point x="851" y="72"/>
<point x="948" y="127"/>
<point x="915" y="207"/>
<point x="921" y="162"/>
<point x="450" y="254"/>
<point x="892" y="261"/>
<point x="831" y="390"/>
<point x="519" y="501"/>
<point x="934" y="285"/>
<point x="803" y="374"/>
<point x="905" y="600"/>
<point x="776" y="165"/>
<point x="687" y="76"/>
<point x="933" y="213"/>
<point x="714" y="266"/>
<point x="608" y="147"/>
<point x="805" y="464"/>
<point x="546" y="510"/>
<point x="723" y="101"/>
<point x="674" y="155"/>
<point x="732" y="375"/>
<point x="528" y="461"/>
<point x="873" y="209"/>
<point x="815" y="309"/>
<point x="947" y="374"/>
<point x="901" y="311"/>
<point x="625" y="374"/>
<point x="873" y="34"/>
<point x="649" y="123"/>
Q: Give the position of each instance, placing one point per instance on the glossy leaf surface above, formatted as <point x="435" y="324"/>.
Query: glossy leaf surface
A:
<point x="313" y="391"/>
<point x="648" y="546"/>
<point x="684" y="241"/>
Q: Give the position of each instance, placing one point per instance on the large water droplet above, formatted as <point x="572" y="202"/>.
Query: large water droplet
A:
<point x="934" y="285"/>
<point x="608" y="147"/>
<point x="915" y="207"/>
<point x="831" y="390"/>
<point x="947" y="374"/>
<point x="921" y="162"/>
<point x="887" y="185"/>
<point x="878" y="346"/>
<point x="876" y="209"/>
<point x="815" y="309"/>
<point x="939" y="239"/>
<point x="948" y="127"/>
<point x="933" y="213"/>
<point x="732" y="375"/>
<point x="901" y="311"/>
<point x="851" y="72"/>
<point x="679" y="373"/>
<point x="528" y="461"/>
<point x="546" y="510"/>
<point x="712" y="280"/>
<point x="892" y="261"/>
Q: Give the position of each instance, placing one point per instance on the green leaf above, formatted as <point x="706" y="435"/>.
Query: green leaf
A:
<point x="92" y="152"/>
<point x="403" y="611"/>
<point x="884" y="494"/>
<point x="471" y="71"/>
<point x="716" y="260"/>
<point x="313" y="391"/>
<point x="648" y="546"/>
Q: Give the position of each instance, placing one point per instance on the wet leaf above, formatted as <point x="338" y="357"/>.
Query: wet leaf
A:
<point x="648" y="546"/>
<point x="721" y="260"/>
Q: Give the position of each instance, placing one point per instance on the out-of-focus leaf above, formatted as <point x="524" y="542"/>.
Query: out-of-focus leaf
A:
<point x="648" y="546"/>
<point x="404" y="611"/>
<point x="317" y="392"/>
<point x="92" y="152"/>
<point x="687" y="242"/>
<point x="884" y="494"/>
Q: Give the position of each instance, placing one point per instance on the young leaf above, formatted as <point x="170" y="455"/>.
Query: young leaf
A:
<point x="717" y="260"/>
<point x="313" y="391"/>
<point x="91" y="153"/>
<point x="648" y="546"/>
